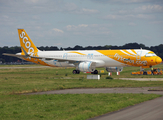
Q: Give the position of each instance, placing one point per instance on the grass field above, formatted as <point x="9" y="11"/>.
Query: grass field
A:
<point x="67" y="106"/>
<point x="43" y="79"/>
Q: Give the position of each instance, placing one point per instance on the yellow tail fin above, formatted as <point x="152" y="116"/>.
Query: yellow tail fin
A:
<point x="27" y="46"/>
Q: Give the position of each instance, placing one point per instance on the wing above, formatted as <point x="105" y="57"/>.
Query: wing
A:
<point x="45" y="58"/>
<point x="98" y="63"/>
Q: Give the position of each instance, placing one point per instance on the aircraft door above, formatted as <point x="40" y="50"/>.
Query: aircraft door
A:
<point x="138" y="55"/>
<point x="65" y="56"/>
<point x="90" y="56"/>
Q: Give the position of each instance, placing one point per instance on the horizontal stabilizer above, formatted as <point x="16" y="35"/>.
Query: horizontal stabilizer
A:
<point x="25" y="56"/>
<point x="14" y="55"/>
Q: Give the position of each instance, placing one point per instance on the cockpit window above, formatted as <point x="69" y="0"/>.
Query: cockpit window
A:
<point x="150" y="55"/>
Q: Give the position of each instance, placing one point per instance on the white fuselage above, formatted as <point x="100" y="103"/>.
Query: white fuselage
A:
<point x="84" y="55"/>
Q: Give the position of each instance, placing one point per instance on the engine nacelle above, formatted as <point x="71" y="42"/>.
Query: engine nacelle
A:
<point x="114" y="69"/>
<point x="87" y="66"/>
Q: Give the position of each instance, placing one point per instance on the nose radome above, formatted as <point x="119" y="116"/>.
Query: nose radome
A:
<point x="158" y="60"/>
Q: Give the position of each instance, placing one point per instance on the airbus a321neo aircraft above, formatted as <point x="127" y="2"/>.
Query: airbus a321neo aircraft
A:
<point x="85" y="60"/>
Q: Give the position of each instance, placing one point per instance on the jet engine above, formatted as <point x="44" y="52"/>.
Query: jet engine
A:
<point x="86" y="66"/>
<point x="114" y="69"/>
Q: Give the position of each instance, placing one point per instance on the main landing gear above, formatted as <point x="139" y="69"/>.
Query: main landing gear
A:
<point x="78" y="72"/>
<point x="94" y="72"/>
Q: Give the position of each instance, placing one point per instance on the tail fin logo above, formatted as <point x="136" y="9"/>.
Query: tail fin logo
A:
<point x="27" y="43"/>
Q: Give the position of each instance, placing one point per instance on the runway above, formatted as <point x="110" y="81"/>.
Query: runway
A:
<point x="144" y="90"/>
<point x="143" y="79"/>
<point x="150" y="110"/>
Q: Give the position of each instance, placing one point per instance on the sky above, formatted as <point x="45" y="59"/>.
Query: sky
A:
<point x="67" y="23"/>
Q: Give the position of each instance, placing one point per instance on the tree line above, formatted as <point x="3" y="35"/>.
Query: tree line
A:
<point x="13" y="50"/>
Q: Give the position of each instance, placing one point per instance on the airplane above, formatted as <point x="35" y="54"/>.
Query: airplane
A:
<point x="85" y="60"/>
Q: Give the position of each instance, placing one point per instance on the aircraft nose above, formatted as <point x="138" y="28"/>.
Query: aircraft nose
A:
<point x="158" y="60"/>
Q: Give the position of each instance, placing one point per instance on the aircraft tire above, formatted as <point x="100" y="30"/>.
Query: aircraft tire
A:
<point x="145" y="73"/>
<point x="74" y="72"/>
<point x="78" y="72"/>
<point x="95" y="72"/>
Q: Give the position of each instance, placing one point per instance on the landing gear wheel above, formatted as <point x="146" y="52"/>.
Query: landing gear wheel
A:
<point x="78" y="72"/>
<point x="95" y="72"/>
<point x="144" y="73"/>
<point x="75" y="71"/>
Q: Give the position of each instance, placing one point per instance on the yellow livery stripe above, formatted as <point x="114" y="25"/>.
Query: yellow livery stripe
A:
<point x="77" y="53"/>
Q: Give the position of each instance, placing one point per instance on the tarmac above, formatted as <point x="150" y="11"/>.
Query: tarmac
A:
<point x="143" y="79"/>
<point x="149" y="110"/>
<point x="145" y="90"/>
